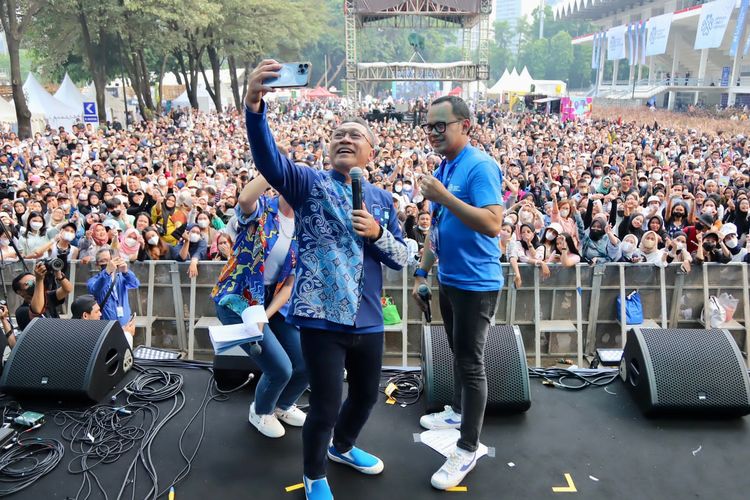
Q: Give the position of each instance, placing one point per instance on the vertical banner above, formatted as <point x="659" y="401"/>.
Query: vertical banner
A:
<point x="747" y="45"/>
<point x="741" y="19"/>
<point x="725" y="72"/>
<point x="643" y="42"/>
<point x="658" y="34"/>
<point x="616" y="43"/>
<point x="631" y="46"/>
<point x="637" y="39"/>
<point x="713" y="24"/>
<point x="593" y="52"/>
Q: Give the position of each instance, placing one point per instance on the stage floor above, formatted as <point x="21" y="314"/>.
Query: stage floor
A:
<point x="596" y="436"/>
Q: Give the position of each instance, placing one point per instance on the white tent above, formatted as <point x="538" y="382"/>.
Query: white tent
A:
<point x="205" y="103"/>
<point x="69" y="94"/>
<point x="114" y="107"/>
<point x="550" y="87"/>
<point x="524" y="80"/>
<point x="499" y="86"/>
<point x="7" y="112"/>
<point x="57" y="113"/>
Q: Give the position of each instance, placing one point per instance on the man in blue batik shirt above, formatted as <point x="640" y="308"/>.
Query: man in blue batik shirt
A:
<point x="466" y="198"/>
<point x="338" y="281"/>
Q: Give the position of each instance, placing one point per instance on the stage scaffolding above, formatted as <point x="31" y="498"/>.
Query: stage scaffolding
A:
<point x="465" y="15"/>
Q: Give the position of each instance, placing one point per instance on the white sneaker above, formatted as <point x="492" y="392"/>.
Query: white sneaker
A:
<point x="293" y="416"/>
<point x="454" y="470"/>
<point x="447" y="419"/>
<point x="268" y="425"/>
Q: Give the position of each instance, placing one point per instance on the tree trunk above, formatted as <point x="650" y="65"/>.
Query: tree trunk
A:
<point x="213" y="58"/>
<point x="23" y="114"/>
<point x="161" y="83"/>
<point x="244" y="77"/>
<point x="234" y="82"/>
<point x="96" y="64"/>
<point x="148" y="99"/>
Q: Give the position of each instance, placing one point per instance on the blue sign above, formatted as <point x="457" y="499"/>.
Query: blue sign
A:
<point x="725" y="71"/>
<point x="89" y="112"/>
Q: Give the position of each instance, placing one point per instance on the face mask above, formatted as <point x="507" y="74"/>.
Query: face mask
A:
<point x="526" y="217"/>
<point x="649" y="244"/>
<point x="397" y="189"/>
<point x="30" y="286"/>
<point x="709" y="210"/>
<point x="180" y="185"/>
<point x="709" y="247"/>
<point x="642" y="184"/>
<point x="596" y="234"/>
<point x="195" y="238"/>
<point x="731" y="243"/>
<point x="678" y="215"/>
<point x="36" y="226"/>
<point x="203" y="224"/>
<point x="153" y="241"/>
<point x="597" y="173"/>
<point x="115" y="213"/>
<point x="4" y="242"/>
<point x="564" y="213"/>
<point x="65" y="207"/>
<point x="408" y="188"/>
<point x="94" y="210"/>
<point x="424" y="228"/>
<point x="627" y="247"/>
<point x="162" y="182"/>
<point x="131" y="242"/>
<point x="68" y="236"/>
<point x="656" y="176"/>
<point x="550" y="236"/>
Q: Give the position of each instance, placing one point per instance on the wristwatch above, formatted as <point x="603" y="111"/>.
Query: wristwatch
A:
<point x="421" y="273"/>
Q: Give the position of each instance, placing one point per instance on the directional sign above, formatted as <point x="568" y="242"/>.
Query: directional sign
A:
<point x="89" y="112"/>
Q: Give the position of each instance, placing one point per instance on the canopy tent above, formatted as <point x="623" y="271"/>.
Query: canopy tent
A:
<point x="319" y="93"/>
<point x="69" y="94"/>
<point x="456" y="91"/>
<point x="524" y="80"/>
<point x="515" y="82"/>
<point x="56" y="113"/>
<point x="114" y="107"/>
<point x="7" y="112"/>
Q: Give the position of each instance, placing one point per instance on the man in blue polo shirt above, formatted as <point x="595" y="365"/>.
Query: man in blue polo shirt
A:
<point x="466" y="199"/>
<point x="338" y="281"/>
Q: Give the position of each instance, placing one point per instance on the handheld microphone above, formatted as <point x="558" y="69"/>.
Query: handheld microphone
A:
<point x="426" y="295"/>
<point x="255" y="349"/>
<point x="356" y="176"/>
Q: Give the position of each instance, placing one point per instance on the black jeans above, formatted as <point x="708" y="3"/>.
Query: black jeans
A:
<point x="326" y="355"/>
<point x="466" y="316"/>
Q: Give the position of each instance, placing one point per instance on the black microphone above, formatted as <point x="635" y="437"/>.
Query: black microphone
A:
<point x="426" y="295"/>
<point x="356" y="175"/>
<point x="255" y="349"/>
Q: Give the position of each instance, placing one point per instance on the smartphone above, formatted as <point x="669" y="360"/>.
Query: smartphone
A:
<point x="132" y="317"/>
<point x="291" y="75"/>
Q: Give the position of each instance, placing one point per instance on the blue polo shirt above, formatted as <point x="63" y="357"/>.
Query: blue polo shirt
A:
<point x="469" y="260"/>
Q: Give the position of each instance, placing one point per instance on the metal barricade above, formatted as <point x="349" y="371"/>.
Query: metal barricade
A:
<point x="571" y="312"/>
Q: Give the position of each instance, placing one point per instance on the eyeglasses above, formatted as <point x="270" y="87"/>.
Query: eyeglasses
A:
<point x="438" y="127"/>
<point x="355" y="135"/>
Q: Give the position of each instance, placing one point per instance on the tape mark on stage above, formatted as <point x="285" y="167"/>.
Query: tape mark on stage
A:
<point x="570" y="488"/>
<point x="294" y="487"/>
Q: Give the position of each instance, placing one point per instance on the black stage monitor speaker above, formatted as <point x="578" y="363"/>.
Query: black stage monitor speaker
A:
<point x="232" y="367"/>
<point x="505" y="365"/>
<point x="68" y="359"/>
<point x="680" y="372"/>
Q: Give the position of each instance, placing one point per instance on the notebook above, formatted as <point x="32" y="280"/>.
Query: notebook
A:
<point x="224" y="337"/>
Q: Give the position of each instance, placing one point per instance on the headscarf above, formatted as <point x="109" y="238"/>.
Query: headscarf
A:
<point x="128" y="250"/>
<point x="98" y="241"/>
<point x="601" y="189"/>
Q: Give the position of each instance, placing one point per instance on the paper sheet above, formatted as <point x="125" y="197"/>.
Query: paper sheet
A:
<point x="254" y="315"/>
<point x="225" y="337"/>
<point x="444" y="441"/>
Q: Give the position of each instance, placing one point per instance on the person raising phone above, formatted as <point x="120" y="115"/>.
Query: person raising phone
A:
<point x="338" y="280"/>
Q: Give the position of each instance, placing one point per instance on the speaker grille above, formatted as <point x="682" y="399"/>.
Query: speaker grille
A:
<point x="505" y="366"/>
<point x="687" y="362"/>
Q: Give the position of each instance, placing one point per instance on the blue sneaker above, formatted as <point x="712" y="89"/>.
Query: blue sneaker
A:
<point x="317" y="489"/>
<point x="359" y="459"/>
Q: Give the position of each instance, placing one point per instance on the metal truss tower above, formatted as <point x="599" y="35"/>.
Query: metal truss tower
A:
<point x="465" y="15"/>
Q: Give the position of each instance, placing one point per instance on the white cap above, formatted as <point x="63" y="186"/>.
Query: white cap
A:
<point x="728" y="229"/>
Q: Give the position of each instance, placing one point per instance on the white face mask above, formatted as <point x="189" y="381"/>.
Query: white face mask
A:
<point x="203" y="224"/>
<point x="597" y="173"/>
<point x="65" y="207"/>
<point x="154" y="240"/>
<point x="162" y="182"/>
<point x="709" y="210"/>
<point x="731" y="243"/>
<point x="550" y="236"/>
<point x="526" y="217"/>
<point x="649" y="244"/>
<point x="627" y="247"/>
<point x="679" y="246"/>
<point x="195" y="238"/>
<point x="36" y="226"/>
<point x="656" y="176"/>
<point x="68" y="236"/>
<point x="564" y="212"/>
<point x="4" y="242"/>
<point x="131" y="242"/>
<point x="424" y="228"/>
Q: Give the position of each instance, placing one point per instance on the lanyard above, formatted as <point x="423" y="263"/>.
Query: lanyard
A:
<point x="445" y="179"/>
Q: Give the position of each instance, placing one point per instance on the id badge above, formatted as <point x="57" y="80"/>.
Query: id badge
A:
<point x="120" y="311"/>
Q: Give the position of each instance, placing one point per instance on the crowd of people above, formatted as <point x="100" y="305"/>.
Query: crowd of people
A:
<point x="606" y="190"/>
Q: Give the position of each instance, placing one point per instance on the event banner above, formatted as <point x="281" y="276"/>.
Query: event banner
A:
<point x="741" y="19"/>
<point x="658" y="34"/>
<point x="713" y="24"/>
<point x="616" y="43"/>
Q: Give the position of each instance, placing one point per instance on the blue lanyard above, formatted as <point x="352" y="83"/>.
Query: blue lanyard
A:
<point x="446" y="182"/>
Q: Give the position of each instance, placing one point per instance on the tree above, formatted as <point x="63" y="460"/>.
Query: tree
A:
<point x="560" y="58"/>
<point x="16" y="17"/>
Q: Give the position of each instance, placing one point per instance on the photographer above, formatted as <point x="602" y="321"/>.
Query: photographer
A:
<point x="7" y="326"/>
<point x="111" y="285"/>
<point x="37" y="300"/>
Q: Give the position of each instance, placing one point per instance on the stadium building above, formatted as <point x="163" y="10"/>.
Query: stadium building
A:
<point x="674" y="53"/>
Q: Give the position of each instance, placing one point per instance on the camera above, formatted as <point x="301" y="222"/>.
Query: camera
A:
<point x="53" y="265"/>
